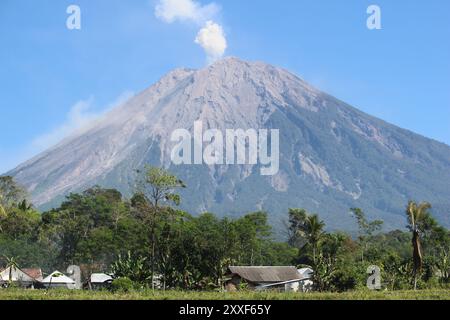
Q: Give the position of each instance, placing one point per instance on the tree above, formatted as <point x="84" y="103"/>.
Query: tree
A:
<point x="443" y="264"/>
<point x="21" y="222"/>
<point x="12" y="264"/>
<point x="307" y="229"/>
<point x="251" y="231"/>
<point x="90" y="226"/>
<point x="314" y="232"/>
<point x="2" y="208"/>
<point x="169" y="228"/>
<point x="417" y="218"/>
<point x="366" y="229"/>
<point x="10" y="192"/>
<point x="158" y="185"/>
<point x="436" y="247"/>
<point x="326" y="274"/>
<point x="297" y="219"/>
<point x="3" y="214"/>
<point x="324" y="252"/>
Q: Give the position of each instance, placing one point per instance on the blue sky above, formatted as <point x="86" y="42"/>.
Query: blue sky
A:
<point x="53" y="79"/>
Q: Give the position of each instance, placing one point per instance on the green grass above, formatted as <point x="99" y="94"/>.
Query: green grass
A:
<point x="18" y="294"/>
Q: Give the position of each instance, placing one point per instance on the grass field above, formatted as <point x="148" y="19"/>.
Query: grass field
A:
<point x="18" y="294"/>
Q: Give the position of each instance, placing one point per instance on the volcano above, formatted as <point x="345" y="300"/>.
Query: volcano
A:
<point x="332" y="156"/>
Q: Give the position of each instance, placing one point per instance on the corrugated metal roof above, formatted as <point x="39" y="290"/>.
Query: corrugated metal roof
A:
<point x="16" y="275"/>
<point x="58" y="278"/>
<point x="266" y="274"/>
<point x="35" y="273"/>
<point x="100" y="278"/>
<point x="306" y="272"/>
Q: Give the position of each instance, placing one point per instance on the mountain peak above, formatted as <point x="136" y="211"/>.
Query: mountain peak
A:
<point x="332" y="157"/>
<point x="229" y="61"/>
<point x="232" y="62"/>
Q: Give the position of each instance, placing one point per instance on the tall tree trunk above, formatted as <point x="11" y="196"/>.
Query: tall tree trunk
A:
<point x="314" y="255"/>
<point x="153" y="260"/>
<point x="153" y="246"/>
<point x="417" y="257"/>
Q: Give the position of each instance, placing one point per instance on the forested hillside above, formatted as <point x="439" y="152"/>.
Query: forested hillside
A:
<point x="135" y="238"/>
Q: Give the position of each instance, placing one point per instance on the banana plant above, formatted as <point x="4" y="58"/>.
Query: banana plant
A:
<point x="134" y="268"/>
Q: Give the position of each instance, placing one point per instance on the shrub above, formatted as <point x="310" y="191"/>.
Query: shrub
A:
<point x="122" y="285"/>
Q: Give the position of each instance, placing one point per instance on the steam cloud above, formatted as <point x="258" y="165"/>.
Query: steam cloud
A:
<point x="212" y="39"/>
<point x="211" y="36"/>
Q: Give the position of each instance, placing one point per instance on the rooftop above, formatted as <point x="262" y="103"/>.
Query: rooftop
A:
<point x="266" y="274"/>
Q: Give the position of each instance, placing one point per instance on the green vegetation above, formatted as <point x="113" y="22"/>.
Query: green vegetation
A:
<point x="147" y="237"/>
<point x="18" y="294"/>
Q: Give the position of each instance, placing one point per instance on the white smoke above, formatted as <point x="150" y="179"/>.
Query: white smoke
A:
<point x="80" y="116"/>
<point x="185" y="10"/>
<point x="212" y="39"/>
<point x="211" y="36"/>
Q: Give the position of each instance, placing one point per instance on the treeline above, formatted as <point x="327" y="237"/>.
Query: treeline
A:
<point x="147" y="237"/>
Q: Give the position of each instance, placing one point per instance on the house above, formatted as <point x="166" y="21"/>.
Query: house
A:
<point x="100" y="281"/>
<point x="35" y="273"/>
<point x="307" y="284"/>
<point x="59" y="280"/>
<point x="27" y="278"/>
<point x="261" y="278"/>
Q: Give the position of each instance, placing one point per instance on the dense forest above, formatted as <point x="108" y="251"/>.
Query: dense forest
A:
<point x="139" y="238"/>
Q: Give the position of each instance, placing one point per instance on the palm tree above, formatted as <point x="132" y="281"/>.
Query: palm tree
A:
<point x="309" y="228"/>
<point x="12" y="264"/>
<point x="314" y="232"/>
<point x="417" y="213"/>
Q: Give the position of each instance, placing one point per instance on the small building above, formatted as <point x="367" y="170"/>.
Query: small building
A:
<point x="58" y="280"/>
<point x="261" y="278"/>
<point x="35" y="273"/>
<point x="100" y="281"/>
<point x="26" y="278"/>
<point x="307" y="284"/>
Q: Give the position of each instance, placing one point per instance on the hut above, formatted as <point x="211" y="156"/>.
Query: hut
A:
<point x="285" y="278"/>
<point x="100" y="281"/>
<point x="58" y="280"/>
<point x="26" y="278"/>
<point x="35" y="273"/>
<point x="307" y="284"/>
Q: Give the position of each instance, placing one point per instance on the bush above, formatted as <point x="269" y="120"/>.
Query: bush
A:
<point x="343" y="281"/>
<point x="122" y="285"/>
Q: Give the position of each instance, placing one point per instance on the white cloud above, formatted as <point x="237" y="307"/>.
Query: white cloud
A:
<point x="80" y="116"/>
<point x="212" y="39"/>
<point x="185" y="10"/>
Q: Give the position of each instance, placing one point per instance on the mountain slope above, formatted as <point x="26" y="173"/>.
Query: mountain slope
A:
<point x="332" y="156"/>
